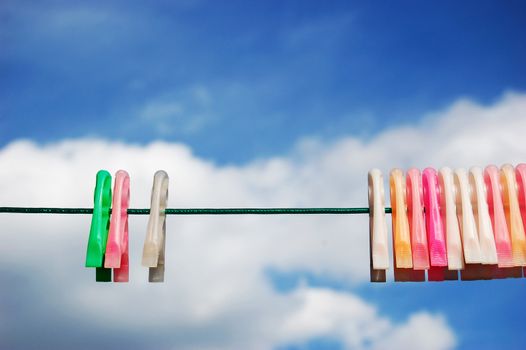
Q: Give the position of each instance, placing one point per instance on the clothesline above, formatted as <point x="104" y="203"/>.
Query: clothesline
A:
<point x="197" y="211"/>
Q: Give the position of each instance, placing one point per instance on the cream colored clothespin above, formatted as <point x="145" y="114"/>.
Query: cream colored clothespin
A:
<point x="379" y="254"/>
<point x="448" y="211"/>
<point x="479" y="203"/>
<point x="154" y="245"/>
<point x="468" y="228"/>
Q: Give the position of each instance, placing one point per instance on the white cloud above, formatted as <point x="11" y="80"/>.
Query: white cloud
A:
<point x="216" y="284"/>
<point x="422" y="331"/>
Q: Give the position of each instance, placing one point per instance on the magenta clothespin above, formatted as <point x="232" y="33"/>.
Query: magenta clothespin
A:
<point x="117" y="247"/>
<point x="498" y="223"/>
<point x="415" y="213"/>
<point x="435" y="230"/>
<point x="520" y="172"/>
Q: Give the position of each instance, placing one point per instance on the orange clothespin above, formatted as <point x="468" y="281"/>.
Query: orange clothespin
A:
<point x="498" y="222"/>
<point x="402" y="256"/>
<point x="513" y="214"/>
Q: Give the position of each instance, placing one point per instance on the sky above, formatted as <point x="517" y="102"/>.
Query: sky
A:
<point x="247" y="104"/>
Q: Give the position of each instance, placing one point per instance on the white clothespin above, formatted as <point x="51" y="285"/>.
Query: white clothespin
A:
<point x="379" y="254"/>
<point x="488" y="249"/>
<point x="448" y="211"/>
<point x="154" y="245"/>
<point x="470" y="239"/>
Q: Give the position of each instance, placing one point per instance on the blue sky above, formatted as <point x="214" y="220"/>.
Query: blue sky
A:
<point x="241" y="81"/>
<point x="263" y="73"/>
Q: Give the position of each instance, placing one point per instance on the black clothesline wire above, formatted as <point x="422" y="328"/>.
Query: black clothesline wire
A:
<point x="197" y="211"/>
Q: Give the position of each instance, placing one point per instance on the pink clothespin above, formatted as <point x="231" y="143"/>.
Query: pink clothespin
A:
<point x="117" y="246"/>
<point x="498" y="223"/>
<point x="434" y="226"/>
<point x="415" y="214"/>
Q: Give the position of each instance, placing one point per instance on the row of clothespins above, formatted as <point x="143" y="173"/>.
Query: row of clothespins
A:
<point x="445" y="222"/>
<point x="108" y="239"/>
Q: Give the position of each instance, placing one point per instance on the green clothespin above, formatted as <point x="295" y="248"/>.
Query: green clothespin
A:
<point x="100" y="222"/>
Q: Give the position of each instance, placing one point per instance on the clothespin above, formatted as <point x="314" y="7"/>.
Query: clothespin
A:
<point x="448" y="212"/>
<point x="402" y="257"/>
<point x="435" y="230"/>
<point x="520" y="171"/>
<point x="99" y="227"/>
<point x="488" y="250"/>
<point x="513" y="214"/>
<point x="415" y="214"/>
<point x="117" y="247"/>
<point x="468" y="228"/>
<point x="378" y="247"/>
<point x="498" y="222"/>
<point x="154" y="245"/>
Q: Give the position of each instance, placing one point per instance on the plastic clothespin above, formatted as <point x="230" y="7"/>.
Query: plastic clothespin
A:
<point x="499" y="224"/>
<point x="468" y="228"/>
<point x="415" y="214"/>
<point x="435" y="230"/>
<point x="99" y="227"/>
<point x="117" y="248"/>
<point x="378" y="246"/>
<point x="402" y="257"/>
<point x="520" y="172"/>
<point x="154" y="245"/>
<point x="448" y="212"/>
<point x="488" y="250"/>
<point x="513" y="214"/>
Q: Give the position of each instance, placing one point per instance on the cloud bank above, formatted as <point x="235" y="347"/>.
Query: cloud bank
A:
<point x="217" y="294"/>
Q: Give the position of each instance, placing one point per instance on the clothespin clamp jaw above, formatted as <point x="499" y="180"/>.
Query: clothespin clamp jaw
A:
<point x="117" y="256"/>
<point x="154" y="245"/>
<point x="99" y="226"/>
<point x="378" y="247"/>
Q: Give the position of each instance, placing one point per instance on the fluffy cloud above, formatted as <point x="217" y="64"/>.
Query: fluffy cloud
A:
<point x="217" y="294"/>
